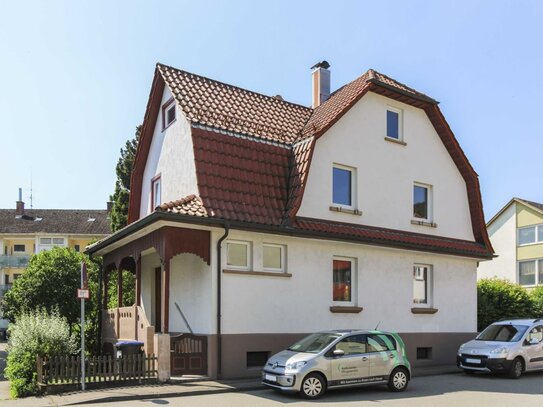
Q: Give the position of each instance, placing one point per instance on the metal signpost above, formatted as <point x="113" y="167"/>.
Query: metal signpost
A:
<point x="83" y="293"/>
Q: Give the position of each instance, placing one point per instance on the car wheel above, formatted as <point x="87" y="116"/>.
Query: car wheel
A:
<point x="516" y="368"/>
<point x="313" y="386"/>
<point x="398" y="380"/>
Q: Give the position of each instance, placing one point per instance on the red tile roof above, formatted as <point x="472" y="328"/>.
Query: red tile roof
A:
<point x="253" y="152"/>
<point x="226" y="107"/>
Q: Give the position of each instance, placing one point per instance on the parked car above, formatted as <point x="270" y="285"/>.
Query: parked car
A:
<point x="512" y="347"/>
<point x="339" y="358"/>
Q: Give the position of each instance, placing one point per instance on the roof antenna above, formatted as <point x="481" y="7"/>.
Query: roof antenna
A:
<point x="377" y="326"/>
<point x="31" y="205"/>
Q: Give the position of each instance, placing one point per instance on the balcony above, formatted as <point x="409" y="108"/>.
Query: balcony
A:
<point x="19" y="261"/>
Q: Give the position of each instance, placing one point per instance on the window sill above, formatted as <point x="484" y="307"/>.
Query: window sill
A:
<point x="340" y="309"/>
<point x="421" y="310"/>
<point x="424" y="223"/>
<point x="258" y="273"/>
<point x="396" y="141"/>
<point x="341" y="209"/>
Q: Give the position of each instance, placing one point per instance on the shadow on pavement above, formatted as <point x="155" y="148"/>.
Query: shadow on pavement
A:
<point x="529" y="383"/>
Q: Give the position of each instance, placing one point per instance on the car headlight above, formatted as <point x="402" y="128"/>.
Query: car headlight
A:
<point x="499" y="350"/>
<point x="461" y="349"/>
<point x="295" y="365"/>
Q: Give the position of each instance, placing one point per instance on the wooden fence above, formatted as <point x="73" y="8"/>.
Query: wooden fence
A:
<point x="67" y="370"/>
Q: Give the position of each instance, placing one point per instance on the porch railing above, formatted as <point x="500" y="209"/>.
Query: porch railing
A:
<point x="128" y="323"/>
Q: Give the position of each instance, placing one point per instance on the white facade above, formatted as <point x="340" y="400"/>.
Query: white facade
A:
<point x="386" y="171"/>
<point x="503" y="235"/>
<point x="172" y="157"/>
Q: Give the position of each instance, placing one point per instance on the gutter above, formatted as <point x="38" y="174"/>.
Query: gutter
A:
<point x="219" y="292"/>
<point x="279" y="230"/>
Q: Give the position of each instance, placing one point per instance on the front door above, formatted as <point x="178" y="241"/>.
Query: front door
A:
<point x="354" y="366"/>
<point x="158" y="299"/>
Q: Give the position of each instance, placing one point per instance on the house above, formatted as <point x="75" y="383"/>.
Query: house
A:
<point x="24" y="232"/>
<point x="254" y="221"/>
<point x="516" y="233"/>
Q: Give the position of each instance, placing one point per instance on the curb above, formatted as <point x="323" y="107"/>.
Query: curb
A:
<point x="162" y="395"/>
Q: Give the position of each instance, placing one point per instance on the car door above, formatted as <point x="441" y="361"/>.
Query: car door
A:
<point x="533" y="347"/>
<point x="382" y="354"/>
<point x="354" y="366"/>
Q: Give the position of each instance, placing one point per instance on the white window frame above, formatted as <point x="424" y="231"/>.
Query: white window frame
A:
<point x="354" y="282"/>
<point x="536" y="234"/>
<point x="156" y="200"/>
<point x="283" y="257"/>
<point x="430" y="197"/>
<point x="354" y="193"/>
<point x="400" y="123"/>
<point x="538" y="269"/>
<point x="249" y="255"/>
<point x="166" y="107"/>
<point x="429" y="285"/>
<point x="49" y="246"/>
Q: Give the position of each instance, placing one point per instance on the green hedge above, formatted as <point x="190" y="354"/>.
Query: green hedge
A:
<point x="500" y="299"/>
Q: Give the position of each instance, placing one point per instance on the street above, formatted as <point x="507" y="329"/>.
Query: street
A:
<point x="440" y="390"/>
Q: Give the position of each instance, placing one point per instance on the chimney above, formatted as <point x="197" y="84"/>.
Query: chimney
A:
<point x="321" y="83"/>
<point x="20" y="205"/>
<point x="109" y="207"/>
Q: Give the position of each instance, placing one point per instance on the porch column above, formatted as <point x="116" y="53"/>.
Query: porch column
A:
<point x="138" y="281"/>
<point x="119" y="288"/>
<point x="106" y="285"/>
<point x="165" y="296"/>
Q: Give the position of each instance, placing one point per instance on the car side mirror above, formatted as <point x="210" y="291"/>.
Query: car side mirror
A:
<point x="338" y="352"/>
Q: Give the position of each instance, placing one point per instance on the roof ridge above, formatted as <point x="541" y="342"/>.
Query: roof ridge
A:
<point x="283" y="101"/>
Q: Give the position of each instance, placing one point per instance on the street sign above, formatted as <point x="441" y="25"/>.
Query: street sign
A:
<point x="83" y="293"/>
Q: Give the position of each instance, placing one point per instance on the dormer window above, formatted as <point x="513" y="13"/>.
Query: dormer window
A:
<point x="168" y="113"/>
<point x="394" y="123"/>
<point x="156" y="199"/>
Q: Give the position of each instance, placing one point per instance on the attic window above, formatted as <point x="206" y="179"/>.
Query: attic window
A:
<point x="394" y="123"/>
<point x="168" y="113"/>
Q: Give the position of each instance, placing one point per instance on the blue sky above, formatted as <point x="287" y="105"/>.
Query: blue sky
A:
<point x="75" y="77"/>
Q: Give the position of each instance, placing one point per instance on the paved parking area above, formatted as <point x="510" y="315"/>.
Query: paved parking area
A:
<point x="442" y="390"/>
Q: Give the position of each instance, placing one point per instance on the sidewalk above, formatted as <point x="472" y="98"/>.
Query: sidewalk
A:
<point x="158" y="391"/>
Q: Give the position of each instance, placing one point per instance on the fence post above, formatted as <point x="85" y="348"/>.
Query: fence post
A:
<point x="39" y="369"/>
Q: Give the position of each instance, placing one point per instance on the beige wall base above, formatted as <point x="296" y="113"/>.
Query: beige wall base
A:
<point x="162" y="351"/>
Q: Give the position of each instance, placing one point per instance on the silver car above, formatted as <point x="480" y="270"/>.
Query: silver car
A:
<point x="511" y="347"/>
<point x="340" y="358"/>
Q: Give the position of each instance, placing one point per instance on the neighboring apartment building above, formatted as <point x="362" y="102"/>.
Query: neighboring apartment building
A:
<point x="24" y="232"/>
<point x="516" y="233"/>
<point x="254" y="221"/>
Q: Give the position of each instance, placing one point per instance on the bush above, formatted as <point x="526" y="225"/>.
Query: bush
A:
<point x="498" y="299"/>
<point x="537" y="300"/>
<point x="35" y="334"/>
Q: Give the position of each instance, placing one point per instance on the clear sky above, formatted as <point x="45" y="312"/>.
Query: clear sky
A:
<point x="75" y="77"/>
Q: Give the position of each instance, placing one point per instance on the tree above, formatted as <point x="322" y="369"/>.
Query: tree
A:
<point x="498" y="299"/>
<point x="129" y="290"/>
<point x="537" y="300"/>
<point x="121" y="194"/>
<point x="50" y="283"/>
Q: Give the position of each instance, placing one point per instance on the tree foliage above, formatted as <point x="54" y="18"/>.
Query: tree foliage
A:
<point x="498" y="299"/>
<point x="129" y="290"/>
<point x="36" y="333"/>
<point x="50" y="283"/>
<point x="537" y="300"/>
<point x="121" y="194"/>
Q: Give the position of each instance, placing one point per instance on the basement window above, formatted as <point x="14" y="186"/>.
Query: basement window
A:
<point x="257" y="359"/>
<point x="424" y="353"/>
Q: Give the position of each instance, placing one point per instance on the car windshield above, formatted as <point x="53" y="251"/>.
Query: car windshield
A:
<point x="502" y="333"/>
<point x="314" y="343"/>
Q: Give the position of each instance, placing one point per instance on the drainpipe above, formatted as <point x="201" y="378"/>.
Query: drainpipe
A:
<point x="99" y="305"/>
<point x="219" y="264"/>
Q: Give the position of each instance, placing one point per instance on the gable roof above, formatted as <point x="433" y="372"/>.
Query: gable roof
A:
<point x="531" y="204"/>
<point x="57" y="221"/>
<point x="253" y="152"/>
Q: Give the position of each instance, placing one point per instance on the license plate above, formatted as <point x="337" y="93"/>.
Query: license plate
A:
<point x="270" y="378"/>
<point x="469" y="360"/>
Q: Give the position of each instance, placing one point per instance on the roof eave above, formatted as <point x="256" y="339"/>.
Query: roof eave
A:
<point x="422" y="98"/>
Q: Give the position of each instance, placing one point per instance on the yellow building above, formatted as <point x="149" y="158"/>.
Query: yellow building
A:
<point x="516" y="233"/>
<point x="26" y="232"/>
